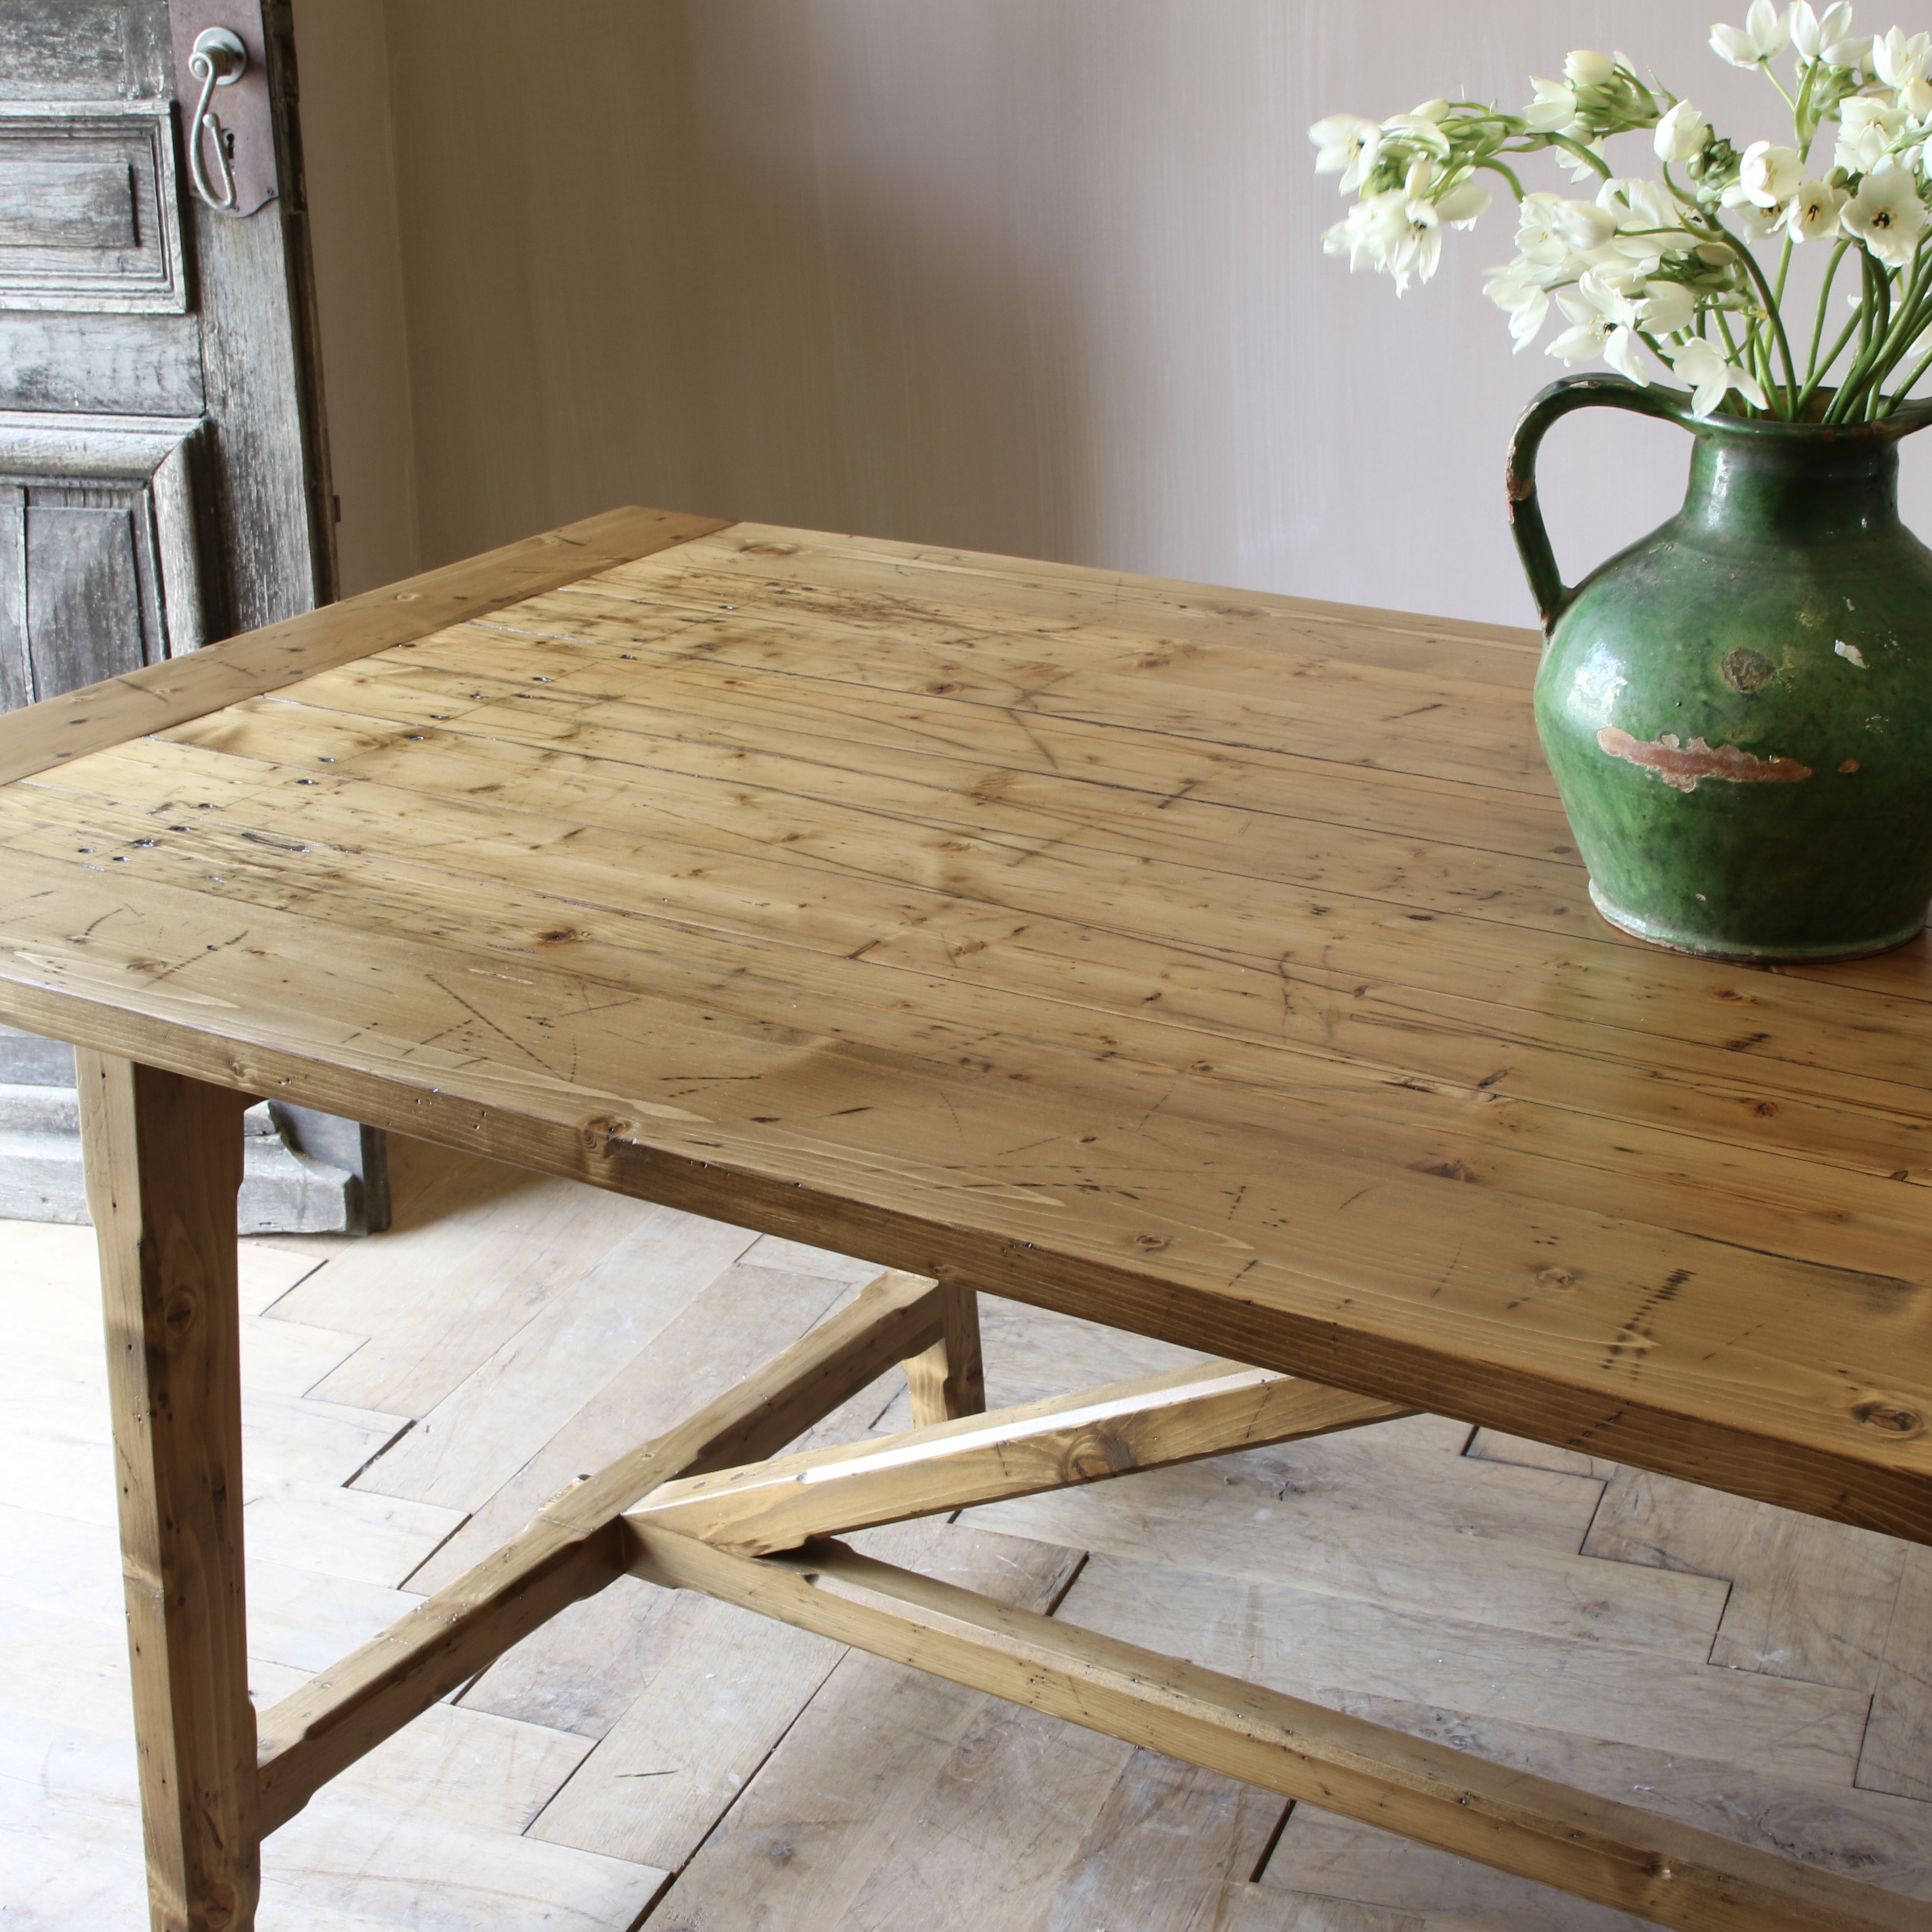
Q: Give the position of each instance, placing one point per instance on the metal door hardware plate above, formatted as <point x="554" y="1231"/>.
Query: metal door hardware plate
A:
<point x="247" y="127"/>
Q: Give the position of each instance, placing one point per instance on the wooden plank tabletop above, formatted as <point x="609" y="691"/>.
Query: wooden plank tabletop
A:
<point x="1211" y="964"/>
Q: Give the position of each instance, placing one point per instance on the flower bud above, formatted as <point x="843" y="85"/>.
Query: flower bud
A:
<point x="1681" y="133"/>
<point x="1582" y="68"/>
<point x="1462" y="204"/>
<point x="1668" y="307"/>
<point x="1583" y="225"/>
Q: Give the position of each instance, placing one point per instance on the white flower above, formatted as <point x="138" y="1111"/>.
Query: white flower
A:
<point x="1898" y="61"/>
<point x="1430" y="110"/>
<point x="1368" y="234"/>
<point x="1349" y="146"/>
<point x="1769" y="175"/>
<point x="1709" y="375"/>
<point x="1640" y="206"/>
<point x="1915" y="99"/>
<point x="1887" y="215"/>
<point x="1419" y="130"/>
<point x="1601" y="321"/>
<point x="1867" y="129"/>
<point x="1764" y="33"/>
<point x="1582" y="68"/>
<point x="1648" y="222"/>
<point x="1418" y="245"/>
<point x="1554" y="109"/>
<point x="1667" y="307"/>
<point x="1582" y="224"/>
<point x="1681" y="134"/>
<point x="1755" y="224"/>
<point x="1396" y="233"/>
<point x="1518" y="293"/>
<point x="1814" y="211"/>
<point x="1462" y="204"/>
<point x="1537" y="237"/>
<point x="1826" y="36"/>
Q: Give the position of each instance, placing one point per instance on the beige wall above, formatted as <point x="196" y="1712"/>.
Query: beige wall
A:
<point x="1040" y="276"/>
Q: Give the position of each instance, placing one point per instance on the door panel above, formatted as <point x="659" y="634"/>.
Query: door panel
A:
<point x="89" y="218"/>
<point x="84" y="50"/>
<point x="102" y="560"/>
<point x="151" y="364"/>
<point x="92" y="610"/>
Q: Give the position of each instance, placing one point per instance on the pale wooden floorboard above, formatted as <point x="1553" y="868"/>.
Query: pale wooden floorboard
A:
<point x="728" y="1324"/>
<point x="487" y="1428"/>
<point x="661" y="1759"/>
<point x="1184" y="1519"/>
<point x="1897" y="1756"/>
<point x="851" y="1782"/>
<point x="1809" y="1599"/>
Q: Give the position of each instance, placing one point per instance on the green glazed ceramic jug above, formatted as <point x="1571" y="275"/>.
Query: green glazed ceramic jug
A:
<point x="1737" y="708"/>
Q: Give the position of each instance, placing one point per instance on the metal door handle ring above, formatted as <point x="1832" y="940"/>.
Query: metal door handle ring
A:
<point x="219" y="60"/>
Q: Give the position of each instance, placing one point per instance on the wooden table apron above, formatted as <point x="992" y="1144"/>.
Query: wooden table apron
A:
<point x="1214" y="966"/>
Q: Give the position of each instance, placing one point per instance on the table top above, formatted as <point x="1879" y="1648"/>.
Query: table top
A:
<point x="1211" y="964"/>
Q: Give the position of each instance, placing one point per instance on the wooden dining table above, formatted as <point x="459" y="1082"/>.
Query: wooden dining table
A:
<point x="1213" y="965"/>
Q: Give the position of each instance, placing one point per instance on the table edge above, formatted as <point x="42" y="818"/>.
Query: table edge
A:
<point x="1870" y="1491"/>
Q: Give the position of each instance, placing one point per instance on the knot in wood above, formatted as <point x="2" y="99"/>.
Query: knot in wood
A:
<point x="1890" y="1418"/>
<point x="1097" y="1454"/>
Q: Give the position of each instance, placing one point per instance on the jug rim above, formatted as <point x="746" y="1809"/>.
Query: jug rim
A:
<point x="1907" y="417"/>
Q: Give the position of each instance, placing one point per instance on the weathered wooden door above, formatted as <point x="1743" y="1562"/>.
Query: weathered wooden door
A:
<point x="164" y="476"/>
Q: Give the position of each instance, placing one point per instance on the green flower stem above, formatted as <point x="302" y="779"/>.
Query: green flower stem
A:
<point x="1815" y="381"/>
<point x="1840" y="404"/>
<point x="1506" y="172"/>
<point x="1889" y="338"/>
<point x="1818" y="327"/>
<point x="1914" y="311"/>
<point x="1583" y="154"/>
<point x="1730" y="347"/>
<point x="1756" y="274"/>
<point x="1908" y="321"/>
<point x="1784" y="270"/>
<point x="1904" y="389"/>
<point x="1685" y="197"/>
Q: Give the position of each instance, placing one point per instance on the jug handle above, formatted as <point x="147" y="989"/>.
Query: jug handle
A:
<point x="1906" y="418"/>
<point x="1553" y="596"/>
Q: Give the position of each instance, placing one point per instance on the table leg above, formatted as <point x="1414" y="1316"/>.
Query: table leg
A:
<point x="949" y="1379"/>
<point x="163" y="1161"/>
